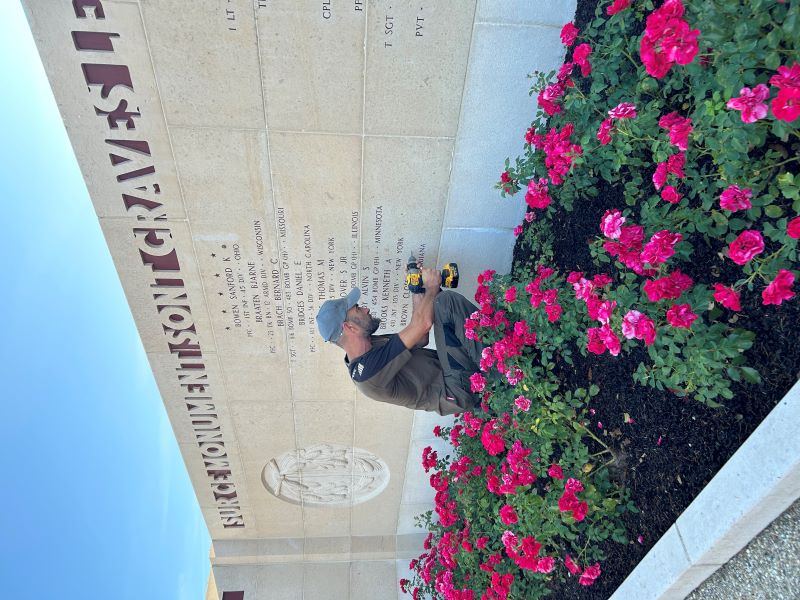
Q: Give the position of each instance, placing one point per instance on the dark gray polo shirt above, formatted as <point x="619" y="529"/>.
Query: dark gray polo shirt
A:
<point x="390" y="372"/>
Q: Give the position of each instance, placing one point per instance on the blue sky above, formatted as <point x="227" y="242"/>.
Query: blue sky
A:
<point x="97" y="503"/>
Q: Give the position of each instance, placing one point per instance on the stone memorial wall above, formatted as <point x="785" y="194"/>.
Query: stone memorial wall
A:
<point x="250" y="159"/>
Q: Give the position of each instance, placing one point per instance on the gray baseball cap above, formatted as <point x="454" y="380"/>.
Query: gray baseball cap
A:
<point x="333" y="313"/>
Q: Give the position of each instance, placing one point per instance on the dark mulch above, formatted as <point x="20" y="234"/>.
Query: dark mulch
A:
<point x="695" y="440"/>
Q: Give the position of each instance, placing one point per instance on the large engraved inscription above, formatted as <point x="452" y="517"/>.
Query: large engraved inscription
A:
<point x="326" y="475"/>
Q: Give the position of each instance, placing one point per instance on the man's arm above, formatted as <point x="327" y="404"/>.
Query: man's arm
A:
<point x="422" y="317"/>
<point x="416" y="299"/>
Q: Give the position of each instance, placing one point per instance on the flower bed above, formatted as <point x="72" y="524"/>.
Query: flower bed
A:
<point x="668" y="143"/>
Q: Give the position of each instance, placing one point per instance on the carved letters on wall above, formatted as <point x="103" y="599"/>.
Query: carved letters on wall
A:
<point x="326" y="475"/>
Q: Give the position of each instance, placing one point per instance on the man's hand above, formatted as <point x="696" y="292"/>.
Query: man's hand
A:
<point x="416" y="332"/>
<point x="431" y="280"/>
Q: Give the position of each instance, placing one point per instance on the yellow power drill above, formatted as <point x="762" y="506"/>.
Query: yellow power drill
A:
<point x="414" y="277"/>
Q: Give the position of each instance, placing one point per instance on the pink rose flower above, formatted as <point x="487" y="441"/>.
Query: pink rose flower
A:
<point x="590" y="574"/>
<point x="580" y="57"/>
<point x="660" y="247"/>
<point x="681" y="315"/>
<point x="751" y="103"/>
<point x="547" y="98"/>
<point x="573" y="486"/>
<point x="574" y="276"/>
<point x="793" y="228"/>
<point x="595" y="343"/>
<point x="605" y="310"/>
<point x="511" y="294"/>
<point x="610" y="340"/>
<point x="571" y="566"/>
<point x="670" y="194"/>
<point x="477" y="382"/>
<point x="629" y="323"/>
<point x="660" y="175"/>
<point x="492" y="442"/>
<point x="601" y="280"/>
<point x="623" y="110"/>
<point x="569" y="33"/>
<point x="556" y="472"/>
<point x="522" y="403"/>
<point x="580" y="511"/>
<point x="604" y="133"/>
<point x="636" y="325"/>
<point x="564" y="73"/>
<point x="617" y="6"/>
<point x="537" y="195"/>
<point x="675" y="164"/>
<point x="508" y="515"/>
<point x="727" y="297"/>
<point x="787" y="77"/>
<point x="553" y="312"/>
<point x="786" y="105"/>
<point x="517" y="230"/>
<point x="779" y="289"/>
<point x="735" y="198"/>
<point x="679" y="43"/>
<point x="667" y="40"/>
<point x="669" y="287"/>
<point x="679" y="129"/>
<point x="545" y="564"/>
<point x="746" y="246"/>
<point x="611" y="224"/>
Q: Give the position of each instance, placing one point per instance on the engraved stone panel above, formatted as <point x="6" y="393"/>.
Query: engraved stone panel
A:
<point x="224" y="175"/>
<point x="416" y="59"/>
<point x="316" y="47"/>
<point x="403" y="213"/>
<point x="317" y="204"/>
<point x="206" y="62"/>
<point x="326" y="474"/>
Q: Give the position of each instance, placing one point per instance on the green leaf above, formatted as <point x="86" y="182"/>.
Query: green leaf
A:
<point x="772" y="60"/>
<point x="773" y="211"/>
<point x="750" y="374"/>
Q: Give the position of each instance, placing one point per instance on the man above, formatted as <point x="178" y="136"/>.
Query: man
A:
<point x="397" y="368"/>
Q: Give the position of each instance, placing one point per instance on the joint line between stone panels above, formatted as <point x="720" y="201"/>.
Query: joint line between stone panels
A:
<point x="492" y="229"/>
<point x="360" y="253"/>
<point x="273" y="187"/>
<point x="215" y="128"/>
<point x="405" y="474"/>
<point x="124" y="218"/>
<point x="683" y="546"/>
<point x="412" y="137"/>
<point x="518" y="24"/>
<point x="458" y="126"/>
<point x="306" y="132"/>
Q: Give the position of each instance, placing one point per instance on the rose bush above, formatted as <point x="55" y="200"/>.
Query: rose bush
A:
<point x="696" y="117"/>
<point x="693" y="111"/>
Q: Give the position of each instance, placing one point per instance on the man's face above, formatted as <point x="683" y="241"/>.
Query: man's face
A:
<point x="360" y="316"/>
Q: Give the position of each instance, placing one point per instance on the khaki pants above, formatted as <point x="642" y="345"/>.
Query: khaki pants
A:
<point x="458" y="356"/>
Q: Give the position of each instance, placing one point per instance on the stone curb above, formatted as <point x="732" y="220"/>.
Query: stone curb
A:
<point x="757" y="484"/>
